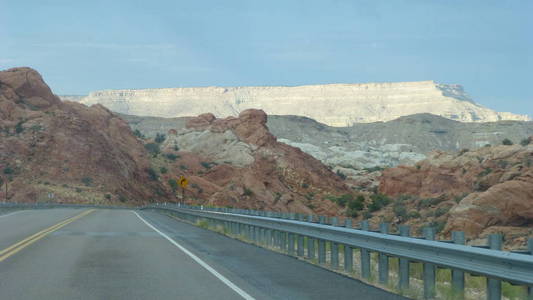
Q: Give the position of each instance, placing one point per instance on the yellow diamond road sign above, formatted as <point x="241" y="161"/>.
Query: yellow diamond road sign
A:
<point x="183" y="182"/>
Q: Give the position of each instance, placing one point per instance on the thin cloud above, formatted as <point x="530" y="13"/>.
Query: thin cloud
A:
<point x="106" y="45"/>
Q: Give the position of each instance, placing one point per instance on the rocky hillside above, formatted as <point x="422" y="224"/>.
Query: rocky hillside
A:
<point x="63" y="151"/>
<point x="237" y="162"/>
<point x="331" y="104"/>
<point x="405" y="140"/>
<point x="67" y="152"/>
<point x="489" y="190"/>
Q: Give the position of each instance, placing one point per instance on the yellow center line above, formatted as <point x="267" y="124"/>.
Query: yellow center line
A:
<point x="11" y="250"/>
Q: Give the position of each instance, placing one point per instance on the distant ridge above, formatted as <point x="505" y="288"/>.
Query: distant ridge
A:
<point x="331" y="104"/>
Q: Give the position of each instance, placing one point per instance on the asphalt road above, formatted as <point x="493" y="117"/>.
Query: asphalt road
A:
<point x="120" y="254"/>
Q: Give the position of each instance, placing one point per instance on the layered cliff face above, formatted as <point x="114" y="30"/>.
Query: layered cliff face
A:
<point x="64" y="151"/>
<point x="332" y="104"/>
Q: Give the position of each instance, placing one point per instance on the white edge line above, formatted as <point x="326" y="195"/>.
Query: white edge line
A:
<point x="200" y="262"/>
<point x="13" y="213"/>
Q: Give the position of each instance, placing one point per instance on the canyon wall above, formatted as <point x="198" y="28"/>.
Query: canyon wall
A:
<point x="331" y="104"/>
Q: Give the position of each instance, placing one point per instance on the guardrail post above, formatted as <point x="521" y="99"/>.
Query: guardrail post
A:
<point x="458" y="277"/>
<point x="365" y="254"/>
<point x="429" y="269"/>
<point x="322" y="245"/>
<point x="310" y="247"/>
<point x="334" y="255"/>
<point x="301" y="250"/>
<point x="348" y="251"/>
<point x="269" y="237"/>
<point x="283" y="241"/>
<point x="403" y="283"/>
<point x="291" y="244"/>
<point x="530" y="288"/>
<point x="383" y="263"/>
<point x="257" y="235"/>
<point x="334" y="247"/>
<point x="494" y="286"/>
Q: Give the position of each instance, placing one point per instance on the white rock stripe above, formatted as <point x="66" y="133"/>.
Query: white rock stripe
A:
<point x="200" y="262"/>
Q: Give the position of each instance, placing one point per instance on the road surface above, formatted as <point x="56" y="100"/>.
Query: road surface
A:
<point x="123" y="254"/>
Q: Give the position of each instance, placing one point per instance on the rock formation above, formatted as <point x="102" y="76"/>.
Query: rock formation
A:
<point x="403" y="141"/>
<point x="237" y="162"/>
<point x="64" y="151"/>
<point x="480" y="192"/>
<point x="332" y="104"/>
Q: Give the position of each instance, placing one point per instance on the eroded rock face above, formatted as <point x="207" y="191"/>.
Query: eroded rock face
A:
<point x="332" y="104"/>
<point x="236" y="161"/>
<point x="492" y="186"/>
<point x="65" y="151"/>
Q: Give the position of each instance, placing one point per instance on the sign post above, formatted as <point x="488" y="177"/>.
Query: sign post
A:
<point x="183" y="182"/>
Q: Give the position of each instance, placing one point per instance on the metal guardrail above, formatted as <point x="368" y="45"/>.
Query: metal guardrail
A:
<point x="287" y="232"/>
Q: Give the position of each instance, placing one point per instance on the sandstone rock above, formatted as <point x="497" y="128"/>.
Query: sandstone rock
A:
<point x="493" y="186"/>
<point x="77" y="153"/>
<point x="332" y="104"/>
<point x="242" y="165"/>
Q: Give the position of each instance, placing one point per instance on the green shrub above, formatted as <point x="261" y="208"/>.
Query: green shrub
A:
<point x="78" y="190"/>
<point x="310" y="196"/>
<point x="503" y="164"/>
<point x="163" y="170"/>
<point x="171" y="156"/>
<point x="378" y="201"/>
<point x="305" y="185"/>
<point x="107" y="196"/>
<point x="159" y="138"/>
<point x="438" y="225"/>
<point x="341" y="175"/>
<point x="485" y="172"/>
<point x="525" y="142"/>
<point x="122" y="198"/>
<point x="507" y="142"/>
<point x="373" y="169"/>
<point x="247" y="192"/>
<point x="176" y="148"/>
<point x="19" y="128"/>
<point x="8" y="171"/>
<point x="413" y="214"/>
<point x="184" y="167"/>
<point x="425" y="203"/>
<point x="399" y="210"/>
<point x="152" y="174"/>
<point x="442" y="211"/>
<point x="352" y="213"/>
<point x="367" y="214"/>
<point x="138" y="134"/>
<point x="173" y="183"/>
<point x="357" y="204"/>
<point x="207" y="165"/>
<point x="341" y="200"/>
<point x="463" y="151"/>
<point x="153" y="149"/>
<point x="87" y="181"/>
<point x="458" y="199"/>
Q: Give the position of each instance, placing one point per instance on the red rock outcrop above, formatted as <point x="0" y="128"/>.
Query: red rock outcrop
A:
<point x="278" y="177"/>
<point x="64" y="151"/>
<point x="492" y="187"/>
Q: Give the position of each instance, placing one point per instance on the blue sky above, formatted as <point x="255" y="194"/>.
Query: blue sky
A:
<point x="81" y="46"/>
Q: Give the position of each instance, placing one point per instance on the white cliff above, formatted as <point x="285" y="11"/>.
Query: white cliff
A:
<point x="331" y="104"/>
